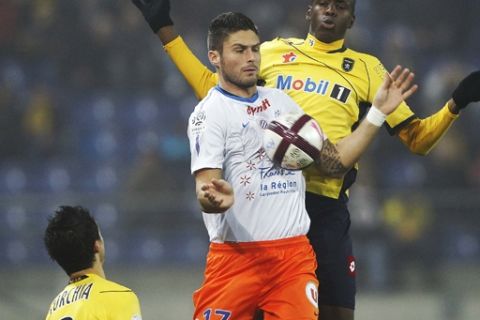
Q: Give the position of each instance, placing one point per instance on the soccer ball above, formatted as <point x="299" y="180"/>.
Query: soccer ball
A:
<point x="293" y="141"/>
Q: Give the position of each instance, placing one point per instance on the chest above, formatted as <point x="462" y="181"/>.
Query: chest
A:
<point x="326" y="86"/>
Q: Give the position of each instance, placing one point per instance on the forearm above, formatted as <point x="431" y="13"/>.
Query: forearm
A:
<point x="421" y="135"/>
<point x="336" y="160"/>
<point x="354" y="145"/>
<point x="198" y="76"/>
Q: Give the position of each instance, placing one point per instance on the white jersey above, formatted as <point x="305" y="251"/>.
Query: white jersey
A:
<point x="226" y="132"/>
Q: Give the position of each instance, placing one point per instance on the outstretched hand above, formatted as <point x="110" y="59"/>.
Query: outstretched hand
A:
<point x="216" y="196"/>
<point x="156" y="12"/>
<point x="396" y="87"/>
<point x="468" y="90"/>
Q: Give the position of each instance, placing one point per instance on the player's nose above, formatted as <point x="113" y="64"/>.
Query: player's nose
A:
<point x="331" y="9"/>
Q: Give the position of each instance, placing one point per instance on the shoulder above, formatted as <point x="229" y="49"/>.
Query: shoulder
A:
<point x="210" y="110"/>
<point x="118" y="300"/>
<point x="367" y="58"/>
<point x="210" y="103"/>
<point x="272" y="92"/>
<point x="280" y="43"/>
<point x="107" y="286"/>
<point x="277" y="96"/>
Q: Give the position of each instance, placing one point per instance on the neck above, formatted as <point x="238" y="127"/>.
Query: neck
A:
<point x="324" y="46"/>
<point x="236" y="90"/>
<point x="96" y="269"/>
<point x="325" y="37"/>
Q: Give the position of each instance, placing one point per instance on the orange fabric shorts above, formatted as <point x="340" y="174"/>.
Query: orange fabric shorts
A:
<point x="275" y="276"/>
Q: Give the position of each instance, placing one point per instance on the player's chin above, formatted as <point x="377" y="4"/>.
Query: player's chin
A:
<point x="249" y="81"/>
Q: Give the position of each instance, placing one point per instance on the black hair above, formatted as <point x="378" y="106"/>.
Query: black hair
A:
<point x="70" y="238"/>
<point x="225" y="24"/>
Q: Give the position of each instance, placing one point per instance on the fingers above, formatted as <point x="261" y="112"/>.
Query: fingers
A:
<point x="213" y="199"/>
<point x="218" y="183"/>
<point x="206" y="186"/>
<point x="407" y="80"/>
<point x="210" y="193"/>
<point x="406" y="94"/>
<point x="403" y="77"/>
<point x="387" y="81"/>
<point x="395" y="73"/>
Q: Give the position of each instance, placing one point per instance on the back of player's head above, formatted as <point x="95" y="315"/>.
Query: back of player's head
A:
<point x="70" y="238"/>
<point x="225" y="24"/>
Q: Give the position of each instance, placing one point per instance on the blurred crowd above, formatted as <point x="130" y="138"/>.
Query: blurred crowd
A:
<point x="90" y="104"/>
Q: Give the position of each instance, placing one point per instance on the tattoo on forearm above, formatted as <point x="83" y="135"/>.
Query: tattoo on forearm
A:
<point x="330" y="163"/>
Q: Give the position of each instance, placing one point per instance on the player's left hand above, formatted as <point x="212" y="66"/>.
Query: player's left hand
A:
<point x="468" y="90"/>
<point x="156" y="12"/>
<point x="396" y="87"/>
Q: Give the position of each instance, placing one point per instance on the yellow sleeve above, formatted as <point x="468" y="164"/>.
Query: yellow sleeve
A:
<point x="421" y="135"/>
<point x="198" y="76"/>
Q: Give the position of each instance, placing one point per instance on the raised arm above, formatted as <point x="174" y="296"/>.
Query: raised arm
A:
<point x="336" y="160"/>
<point x="198" y="76"/>
<point x="421" y="135"/>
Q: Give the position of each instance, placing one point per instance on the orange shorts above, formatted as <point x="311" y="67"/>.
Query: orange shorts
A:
<point x="275" y="276"/>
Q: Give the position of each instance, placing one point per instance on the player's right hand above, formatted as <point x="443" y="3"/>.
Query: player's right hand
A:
<point x="156" y="12"/>
<point x="216" y="196"/>
<point x="468" y="90"/>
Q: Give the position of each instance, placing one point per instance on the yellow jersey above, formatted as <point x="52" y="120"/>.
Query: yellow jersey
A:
<point x="92" y="297"/>
<point x="333" y="84"/>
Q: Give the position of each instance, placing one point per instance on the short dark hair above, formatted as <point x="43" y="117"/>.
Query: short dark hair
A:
<point x="225" y="24"/>
<point x="70" y="238"/>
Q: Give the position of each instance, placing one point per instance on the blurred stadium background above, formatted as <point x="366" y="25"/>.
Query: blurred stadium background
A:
<point x="92" y="112"/>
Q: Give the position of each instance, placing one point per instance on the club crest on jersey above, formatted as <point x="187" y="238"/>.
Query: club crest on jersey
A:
<point x="347" y="64"/>
<point x="289" y="57"/>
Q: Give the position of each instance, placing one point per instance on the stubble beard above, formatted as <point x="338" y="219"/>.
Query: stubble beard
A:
<point x="236" y="80"/>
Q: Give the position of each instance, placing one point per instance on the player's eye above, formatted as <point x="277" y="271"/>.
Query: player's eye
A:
<point x="341" y="5"/>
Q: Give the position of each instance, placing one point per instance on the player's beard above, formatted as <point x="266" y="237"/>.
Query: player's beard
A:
<point x="237" y="80"/>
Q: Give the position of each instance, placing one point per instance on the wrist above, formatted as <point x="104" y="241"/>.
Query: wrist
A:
<point x="375" y="116"/>
<point x="167" y="34"/>
<point x="452" y="106"/>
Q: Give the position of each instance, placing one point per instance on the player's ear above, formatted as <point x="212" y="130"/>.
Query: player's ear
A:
<point x="214" y="58"/>
<point x="97" y="245"/>
<point x="308" y="15"/>
<point x="352" y="21"/>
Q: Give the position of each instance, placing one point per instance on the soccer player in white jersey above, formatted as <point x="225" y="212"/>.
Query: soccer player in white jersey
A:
<point x="74" y="241"/>
<point x="259" y="256"/>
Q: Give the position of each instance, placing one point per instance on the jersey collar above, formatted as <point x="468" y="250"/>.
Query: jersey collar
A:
<point x="313" y="42"/>
<point x="235" y="97"/>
